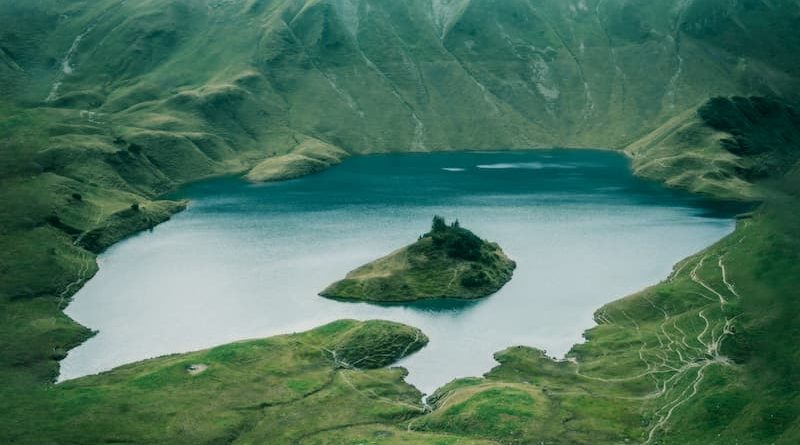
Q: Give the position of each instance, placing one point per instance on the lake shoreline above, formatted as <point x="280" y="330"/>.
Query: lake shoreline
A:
<point x="423" y="156"/>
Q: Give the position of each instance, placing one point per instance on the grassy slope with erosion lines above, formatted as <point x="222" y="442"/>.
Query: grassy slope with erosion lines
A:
<point x="447" y="262"/>
<point x="238" y="391"/>
<point x="106" y="104"/>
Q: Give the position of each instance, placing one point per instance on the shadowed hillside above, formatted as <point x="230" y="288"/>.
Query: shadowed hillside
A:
<point x="722" y="147"/>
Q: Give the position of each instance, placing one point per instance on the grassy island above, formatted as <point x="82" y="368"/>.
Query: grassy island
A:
<point x="447" y="262"/>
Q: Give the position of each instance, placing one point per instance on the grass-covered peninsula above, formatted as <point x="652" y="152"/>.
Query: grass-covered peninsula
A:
<point x="279" y="390"/>
<point x="310" y="156"/>
<point x="447" y="262"/>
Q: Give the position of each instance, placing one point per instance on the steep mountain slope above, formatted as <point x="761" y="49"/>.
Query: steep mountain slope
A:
<point x="158" y="92"/>
<point x="107" y="104"/>
<point x="444" y="74"/>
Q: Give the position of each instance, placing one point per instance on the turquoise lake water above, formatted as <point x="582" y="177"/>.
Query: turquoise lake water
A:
<point x="246" y="261"/>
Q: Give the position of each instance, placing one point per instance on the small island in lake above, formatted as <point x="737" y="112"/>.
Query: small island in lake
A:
<point x="447" y="262"/>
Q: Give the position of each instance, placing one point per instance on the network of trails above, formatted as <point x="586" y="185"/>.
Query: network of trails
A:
<point x="108" y="105"/>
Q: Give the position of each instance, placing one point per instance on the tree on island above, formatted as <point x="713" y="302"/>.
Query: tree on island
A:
<point x="439" y="224"/>
<point x="456" y="241"/>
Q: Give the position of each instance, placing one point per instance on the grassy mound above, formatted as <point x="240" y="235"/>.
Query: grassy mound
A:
<point x="447" y="262"/>
<point x="310" y="156"/>
<point x="375" y="345"/>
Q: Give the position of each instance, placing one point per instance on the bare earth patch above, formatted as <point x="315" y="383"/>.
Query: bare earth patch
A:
<point x="196" y="368"/>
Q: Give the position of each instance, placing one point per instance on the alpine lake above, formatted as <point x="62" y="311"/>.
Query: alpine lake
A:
<point x="247" y="260"/>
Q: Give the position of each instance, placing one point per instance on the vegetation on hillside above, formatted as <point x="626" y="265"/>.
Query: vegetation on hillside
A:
<point x="447" y="262"/>
<point x="763" y="133"/>
<point x="722" y="147"/>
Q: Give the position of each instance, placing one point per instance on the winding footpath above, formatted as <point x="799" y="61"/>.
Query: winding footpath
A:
<point x="678" y="352"/>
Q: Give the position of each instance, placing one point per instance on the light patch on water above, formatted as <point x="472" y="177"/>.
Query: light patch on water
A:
<point x="453" y="169"/>
<point x="524" y="165"/>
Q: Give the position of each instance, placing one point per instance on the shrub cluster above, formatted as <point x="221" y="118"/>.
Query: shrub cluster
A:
<point x="456" y="241"/>
<point x="475" y="277"/>
<point x="763" y="131"/>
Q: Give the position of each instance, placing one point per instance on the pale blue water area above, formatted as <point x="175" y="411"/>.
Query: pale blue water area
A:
<point x="246" y="261"/>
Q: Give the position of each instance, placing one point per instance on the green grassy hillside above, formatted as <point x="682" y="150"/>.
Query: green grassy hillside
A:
<point x="722" y="147"/>
<point x="106" y="105"/>
<point x="378" y="75"/>
<point x="242" y="391"/>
